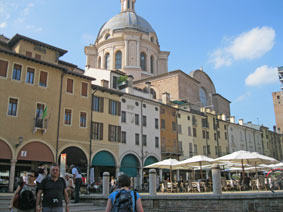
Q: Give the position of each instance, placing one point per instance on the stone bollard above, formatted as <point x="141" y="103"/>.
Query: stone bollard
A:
<point x="105" y="185"/>
<point x="216" y="180"/>
<point x="152" y="182"/>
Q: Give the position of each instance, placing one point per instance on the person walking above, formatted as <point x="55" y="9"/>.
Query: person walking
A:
<point x="54" y="191"/>
<point x="77" y="177"/>
<point x="124" y="199"/>
<point x="27" y="194"/>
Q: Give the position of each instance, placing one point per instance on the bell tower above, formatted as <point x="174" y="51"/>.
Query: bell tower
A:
<point x="127" y="6"/>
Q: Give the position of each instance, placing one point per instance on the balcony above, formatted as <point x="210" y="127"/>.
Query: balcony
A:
<point x="40" y="124"/>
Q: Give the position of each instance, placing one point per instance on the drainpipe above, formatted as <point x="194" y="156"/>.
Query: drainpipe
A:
<point x="142" y="156"/>
<point x="59" y="116"/>
<point x="90" y="134"/>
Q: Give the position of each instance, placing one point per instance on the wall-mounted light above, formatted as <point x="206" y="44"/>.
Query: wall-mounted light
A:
<point x="20" y="139"/>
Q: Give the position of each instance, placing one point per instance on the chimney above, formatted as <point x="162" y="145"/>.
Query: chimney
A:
<point x="105" y="83"/>
<point x="241" y="122"/>
<point x="130" y="81"/>
<point x="232" y="119"/>
<point x="148" y="84"/>
<point x="166" y="98"/>
<point x="223" y="117"/>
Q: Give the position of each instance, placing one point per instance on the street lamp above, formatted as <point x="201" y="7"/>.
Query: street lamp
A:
<point x="20" y="139"/>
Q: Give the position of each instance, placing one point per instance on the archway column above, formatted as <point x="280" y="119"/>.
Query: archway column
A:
<point x="117" y="171"/>
<point x="12" y="175"/>
<point x="126" y="52"/>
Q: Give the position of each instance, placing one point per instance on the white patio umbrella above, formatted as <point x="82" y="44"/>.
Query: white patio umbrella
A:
<point x="245" y="158"/>
<point x="198" y="160"/>
<point x="262" y="159"/>
<point x="164" y="164"/>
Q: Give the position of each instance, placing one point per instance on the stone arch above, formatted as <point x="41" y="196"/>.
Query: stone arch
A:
<point x="36" y="151"/>
<point x="75" y="155"/>
<point x="130" y="165"/>
<point x="5" y="150"/>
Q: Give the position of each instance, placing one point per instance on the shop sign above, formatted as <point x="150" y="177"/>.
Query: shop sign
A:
<point x="63" y="164"/>
<point x="24" y="154"/>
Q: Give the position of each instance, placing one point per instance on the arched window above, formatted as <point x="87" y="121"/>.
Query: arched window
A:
<point x="151" y="64"/>
<point x="152" y="91"/>
<point x="118" y="60"/>
<point x="99" y="62"/>
<point x="107" y="61"/>
<point x="143" y="61"/>
<point x="203" y="97"/>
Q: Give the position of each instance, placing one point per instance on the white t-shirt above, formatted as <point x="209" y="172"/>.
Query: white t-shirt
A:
<point x="76" y="173"/>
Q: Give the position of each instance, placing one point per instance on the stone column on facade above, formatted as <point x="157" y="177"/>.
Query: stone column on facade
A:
<point x="105" y="185"/>
<point x="178" y="174"/>
<point x="141" y="177"/>
<point x="113" y="59"/>
<point x="138" y="53"/>
<point x="216" y="180"/>
<point x="12" y="175"/>
<point x="160" y="175"/>
<point x="152" y="182"/>
<point x="126" y="52"/>
<point x="117" y="171"/>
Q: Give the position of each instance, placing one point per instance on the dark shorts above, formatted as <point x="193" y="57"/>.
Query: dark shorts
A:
<point x="57" y="209"/>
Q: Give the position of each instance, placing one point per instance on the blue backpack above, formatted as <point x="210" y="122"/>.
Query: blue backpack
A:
<point x="124" y="202"/>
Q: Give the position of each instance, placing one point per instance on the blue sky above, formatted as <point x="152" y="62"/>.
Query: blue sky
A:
<point x="238" y="43"/>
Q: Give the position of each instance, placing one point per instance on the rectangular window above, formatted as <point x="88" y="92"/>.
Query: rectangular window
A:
<point x="156" y="123"/>
<point x="179" y="129"/>
<point x="70" y="84"/>
<point x="218" y="134"/>
<point x="17" y="70"/>
<point x="84" y="89"/>
<point x="216" y="150"/>
<point x="123" y="137"/>
<point x="189" y="118"/>
<point x="189" y="131"/>
<point x="226" y="136"/>
<point x="144" y="140"/>
<point x="137" y="119"/>
<point x="68" y="117"/>
<point x="215" y="136"/>
<point x="191" y="151"/>
<point x="3" y="68"/>
<point x="207" y="134"/>
<point x="115" y="82"/>
<point x="208" y="150"/>
<point x="173" y="126"/>
<point x="98" y="104"/>
<point x="30" y="76"/>
<point x="28" y="54"/>
<point x="162" y="111"/>
<point x="38" y="56"/>
<point x="97" y="130"/>
<point x="39" y="110"/>
<point x="163" y="124"/>
<point x="43" y="79"/>
<point x="156" y="142"/>
<point x="203" y="133"/>
<point x="83" y="119"/>
<point x="195" y="149"/>
<point x="114" y="133"/>
<point x="144" y="121"/>
<point x="137" y="139"/>
<point x="173" y="113"/>
<point x="204" y="150"/>
<point x="114" y="108"/>
<point x="123" y="117"/>
<point x="194" y="132"/>
<point x="13" y="105"/>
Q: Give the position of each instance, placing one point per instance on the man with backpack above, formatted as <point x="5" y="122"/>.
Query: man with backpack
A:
<point x="124" y="199"/>
<point x="54" y="191"/>
<point x="77" y="177"/>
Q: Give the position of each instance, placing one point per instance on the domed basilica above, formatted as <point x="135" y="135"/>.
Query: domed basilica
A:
<point x="127" y="44"/>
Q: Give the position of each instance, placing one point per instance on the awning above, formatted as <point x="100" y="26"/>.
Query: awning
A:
<point x="103" y="158"/>
<point x="150" y="160"/>
<point x="130" y="165"/>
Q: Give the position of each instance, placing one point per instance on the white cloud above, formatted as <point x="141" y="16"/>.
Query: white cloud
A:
<point x="248" y="45"/>
<point x="243" y="97"/>
<point x="3" y="25"/>
<point x="262" y="75"/>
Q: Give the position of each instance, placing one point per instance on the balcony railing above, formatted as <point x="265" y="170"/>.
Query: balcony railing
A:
<point x="40" y="124"/>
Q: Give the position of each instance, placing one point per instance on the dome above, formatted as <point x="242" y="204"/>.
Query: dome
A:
<point x="127" y="20"/>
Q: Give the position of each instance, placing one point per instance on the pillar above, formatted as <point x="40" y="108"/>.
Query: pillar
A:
<point x="12" y="175"/>
<point x="178" y="175"/>
<point x="138" y="54"/>
<point x="105" y="185"/>
<point x="216" y="180"/>
<point x="126" y="52"/>
<point x="140" y="177"/>
<point x="152" y="182"/>
<point x="160" y="175"/>
<point x="117" y="171"/>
